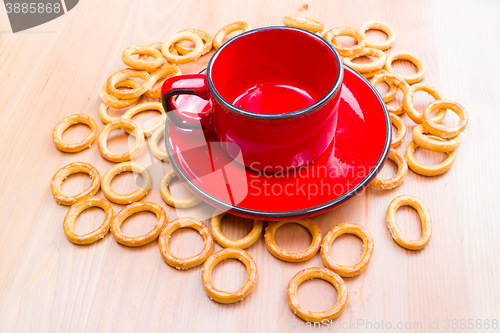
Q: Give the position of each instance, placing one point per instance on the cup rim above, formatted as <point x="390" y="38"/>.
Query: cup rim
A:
<point x="325" y="99"/>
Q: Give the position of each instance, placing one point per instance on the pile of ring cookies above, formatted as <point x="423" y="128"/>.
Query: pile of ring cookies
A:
<point x="157" y="62"/>
<point x="428" y="133"/>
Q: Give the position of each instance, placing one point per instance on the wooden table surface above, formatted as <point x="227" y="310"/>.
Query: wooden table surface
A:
<point x="49" y="284"/>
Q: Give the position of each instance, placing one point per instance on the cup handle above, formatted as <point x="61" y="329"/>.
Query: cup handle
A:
<point x="190" y="84"/>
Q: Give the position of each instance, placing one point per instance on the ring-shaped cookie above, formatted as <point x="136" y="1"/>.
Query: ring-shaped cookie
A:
<point x="182" y="59"/>
<point x="389" y="184"/>
<point x="129" y="210"/>
<point x="389" y="80"/>
<point x="404" y="55"/>
<point x="322" y="33"/>
<point x="156" y="46"/>
<point x="353" y="229"/>
<point x="169" y="198"/>
<point x="432" y="143"/>
<point x="408" y="102"/>
<point x="125" y="199"/>
<point x="133" y="128"/>
<point x="142" y="64"/>
<point x="112" y="101"/>
<point x="154" y="140"/>
<point x="65" y="172"/>
<point x="350" y="32"/>
<point x="428" y="170"/>
<point x="224" y="31"/>
<point x="293" y="256"/>
<point x="440" y="130"/>
<point x="401" y="127"/>
<point x="368" y="67"/>
<point x="369" y="75"/>
<point x="185" y="263"/>
<point x="103" y="114"/>
<point x="382" y="26"/>
<point x="318" y="273"/>
<point x="161" y="75"/>
<point x="306" y="23"/>
<point x="147" y="106"/>
<point x="396" y="81"/>
<point x="93" y="236"/>
<point x="205" y="37"/>
<point x="124" y="74"/>
<point x="225" y="296"/>
<point x="393" y="89"/>
<point x="65" y="123"/>
<point x="425" y="220"/>
<point x="241" y="243"/>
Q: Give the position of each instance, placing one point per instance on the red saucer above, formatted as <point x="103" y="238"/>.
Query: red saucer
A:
<point x="354" y="158"/>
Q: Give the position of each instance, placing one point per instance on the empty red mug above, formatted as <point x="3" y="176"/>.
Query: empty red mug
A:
<point x="273" y="92"/>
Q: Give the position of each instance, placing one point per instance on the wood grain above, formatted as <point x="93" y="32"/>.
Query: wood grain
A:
<point x="50" y="284"/>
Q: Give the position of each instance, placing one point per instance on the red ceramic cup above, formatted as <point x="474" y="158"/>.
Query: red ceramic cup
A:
<point x="274" y="94"/>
